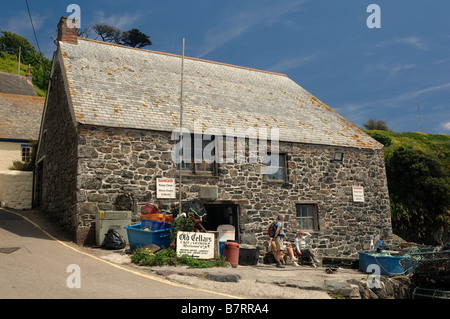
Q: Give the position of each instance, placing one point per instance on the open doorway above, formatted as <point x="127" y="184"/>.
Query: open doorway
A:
<point x="220" y="214"/>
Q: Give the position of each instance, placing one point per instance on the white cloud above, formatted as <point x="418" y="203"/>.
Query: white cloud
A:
<point x="358" y="111"/>
<point x="292" y="63"/>
<point x="21" y="24"/>
<point x="413" y="41"/>
<point x="235" y="26"/>
<point x="121" y="21"/>
<point x="446" y="126"/>
<point x="393" y="70"/>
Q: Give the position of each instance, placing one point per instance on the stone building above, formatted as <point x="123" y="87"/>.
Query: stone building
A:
<point x="20" y="118"/>
<point x="108" y="129"/>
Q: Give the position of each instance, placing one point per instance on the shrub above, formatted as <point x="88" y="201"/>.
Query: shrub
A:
<point x="169" y="257"/>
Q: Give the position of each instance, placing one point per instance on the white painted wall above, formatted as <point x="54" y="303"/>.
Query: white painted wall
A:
<point x="9" y="152"/>
<point x="16" y="189"/>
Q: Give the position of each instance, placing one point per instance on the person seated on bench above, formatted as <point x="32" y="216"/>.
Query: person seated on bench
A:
<point x="301" y="249"/>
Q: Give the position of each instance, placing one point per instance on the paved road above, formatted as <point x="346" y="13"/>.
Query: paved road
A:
<point x="36" y="264"/>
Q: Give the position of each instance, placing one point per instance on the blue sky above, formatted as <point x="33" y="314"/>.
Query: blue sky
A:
<point x="323" y="45"/>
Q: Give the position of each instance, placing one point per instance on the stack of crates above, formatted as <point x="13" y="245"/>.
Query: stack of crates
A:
<point x="154" y="229"/>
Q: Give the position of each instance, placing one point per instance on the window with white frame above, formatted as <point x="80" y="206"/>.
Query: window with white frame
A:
<point x="26" y="153"/>
<point x="306" y="216"/>
<point x="278" y="168"/>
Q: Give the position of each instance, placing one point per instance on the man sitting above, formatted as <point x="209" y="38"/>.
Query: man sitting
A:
<point x="301" y="248"/>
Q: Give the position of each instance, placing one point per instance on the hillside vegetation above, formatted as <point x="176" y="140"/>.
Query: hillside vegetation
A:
<point x="11" y="45"/>
<point x="418" y="173"/>
<point x="9" y="63"/>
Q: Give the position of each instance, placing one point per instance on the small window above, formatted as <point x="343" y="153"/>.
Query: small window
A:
<point x="190" y="153"/>
<point x="26" y="153"/>
<point x="307" y="217"/>
<point x="280" y="173"/>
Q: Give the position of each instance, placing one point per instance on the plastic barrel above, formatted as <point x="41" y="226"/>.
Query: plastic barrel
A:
<point x="231" y="252"/>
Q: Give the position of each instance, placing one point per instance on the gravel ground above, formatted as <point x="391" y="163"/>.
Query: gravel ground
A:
<point x="249" y="288"/>
<point x="263" y="282"/>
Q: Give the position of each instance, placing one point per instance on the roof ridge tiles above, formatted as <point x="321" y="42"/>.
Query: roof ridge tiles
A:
<point x="186" y="57"/>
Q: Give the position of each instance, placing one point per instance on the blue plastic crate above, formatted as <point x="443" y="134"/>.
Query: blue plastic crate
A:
<point x="389" y="265"/>
<point x="154" y="224"/>
<point x="139" y="237"/>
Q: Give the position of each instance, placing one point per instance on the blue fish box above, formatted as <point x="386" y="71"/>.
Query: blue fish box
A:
<point x="154" y="224"/>
<point x="139" y="237"/>
<point x="389" y="265"/>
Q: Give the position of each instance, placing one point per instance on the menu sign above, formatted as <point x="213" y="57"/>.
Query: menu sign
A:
<point x="198" y="245"/>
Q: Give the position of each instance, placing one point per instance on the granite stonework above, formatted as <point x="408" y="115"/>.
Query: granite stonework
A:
<point x="56" y="163"/>
<point x="89" y="155"/>
<point x="113" y="161"/>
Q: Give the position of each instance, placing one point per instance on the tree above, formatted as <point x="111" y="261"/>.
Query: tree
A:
<point x="41" y="66"/>
<point x="135" y="38"/>
<point x="84" y="32"/>
<point x="382" y="137"/>
<point x="373" y="124"/>
<point x="108" y="33"/>
<point x="132" y="38"/>
<point x="11" y="42"/>
<point x="419" y="188"/>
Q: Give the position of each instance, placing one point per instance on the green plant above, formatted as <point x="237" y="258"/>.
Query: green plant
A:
<point x="169" y="257"/>
<point x="26" y="166"/>
<point x="181" y="223"/>
<point x="381" y="136"/>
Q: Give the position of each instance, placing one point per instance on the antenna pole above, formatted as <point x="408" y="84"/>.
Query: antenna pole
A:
<point x="18" y="65"/>
<point x="181" y="130"/>
<point x="420" y="118"/>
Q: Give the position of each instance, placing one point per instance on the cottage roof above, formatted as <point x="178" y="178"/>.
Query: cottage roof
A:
<point x="16" y="84"/>
<point x="20" y="116"/>
<point x="117" y="86"/>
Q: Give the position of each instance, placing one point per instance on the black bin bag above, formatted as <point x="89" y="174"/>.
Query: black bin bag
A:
<point x="113" y="240"/>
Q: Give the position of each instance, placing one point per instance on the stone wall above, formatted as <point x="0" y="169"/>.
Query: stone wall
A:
<point x="56" y="164"/>
<point x="16" y="189"/>
<point x="113" y="161"/>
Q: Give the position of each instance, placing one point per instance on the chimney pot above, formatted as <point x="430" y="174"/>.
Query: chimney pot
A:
<point x="66" y="34"/>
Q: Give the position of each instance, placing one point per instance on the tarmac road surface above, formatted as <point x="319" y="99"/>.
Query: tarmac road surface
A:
<point x="35" y="264"/>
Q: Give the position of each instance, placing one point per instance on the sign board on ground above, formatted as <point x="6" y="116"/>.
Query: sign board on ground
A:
<point x="198" y="245"/>
<point x="165" y="188"/>
<point x="358" y="194"/>
<point x="226" y="232"/>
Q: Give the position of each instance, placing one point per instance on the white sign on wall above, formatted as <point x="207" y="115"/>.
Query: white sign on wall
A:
<point x="198" y="245"/>
<point x="358" y="194"/>
<point x="165" y="188"/>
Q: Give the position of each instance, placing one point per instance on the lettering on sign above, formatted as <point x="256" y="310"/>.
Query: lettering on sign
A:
<point x="165" y="188"/>
<point x="358" y="194"/>
<point x="198" y="245"/>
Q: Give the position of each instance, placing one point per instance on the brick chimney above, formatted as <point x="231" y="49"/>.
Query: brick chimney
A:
<point x="65" y="33"/>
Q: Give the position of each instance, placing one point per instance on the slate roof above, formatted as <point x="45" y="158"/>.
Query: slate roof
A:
<point x="117" y="86"/>
<point x="16" y="84"/>
<point x="20" y="116"/>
